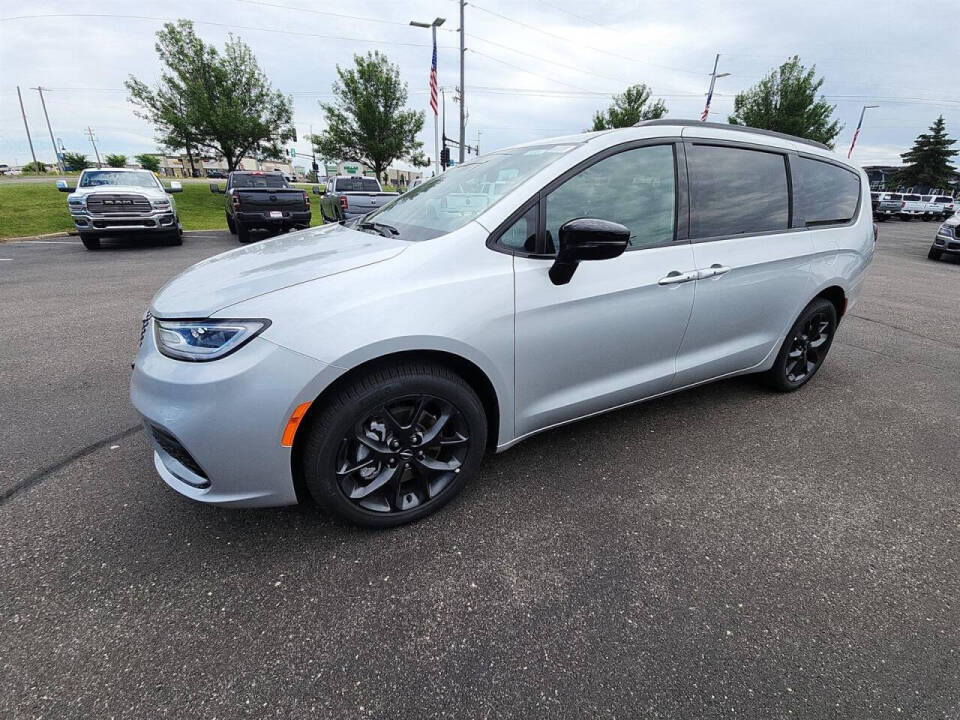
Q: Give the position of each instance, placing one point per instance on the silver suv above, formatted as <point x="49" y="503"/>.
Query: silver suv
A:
<point x="118" y="201"/>
<point x="371" y="367"/>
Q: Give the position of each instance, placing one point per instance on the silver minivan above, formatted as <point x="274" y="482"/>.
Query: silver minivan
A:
<point x="371" y="366"/>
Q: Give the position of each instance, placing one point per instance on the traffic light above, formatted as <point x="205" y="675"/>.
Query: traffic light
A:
<point x="445" y="157"/>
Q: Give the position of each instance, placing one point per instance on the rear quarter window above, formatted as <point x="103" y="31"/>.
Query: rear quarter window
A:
<point x="824" y="193"/>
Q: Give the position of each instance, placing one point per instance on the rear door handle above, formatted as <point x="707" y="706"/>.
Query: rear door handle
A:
<point x="675" y="276"/>
<point x="712" y="271"/>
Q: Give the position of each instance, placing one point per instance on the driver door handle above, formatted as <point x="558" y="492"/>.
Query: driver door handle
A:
<point x="675" y="276"/>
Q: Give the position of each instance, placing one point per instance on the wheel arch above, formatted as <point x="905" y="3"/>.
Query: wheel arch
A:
<point x="837" y="296"/>
<point x="473" y="374"/>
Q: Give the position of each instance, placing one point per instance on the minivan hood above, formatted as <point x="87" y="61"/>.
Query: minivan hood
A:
<point x="270" y="265"/>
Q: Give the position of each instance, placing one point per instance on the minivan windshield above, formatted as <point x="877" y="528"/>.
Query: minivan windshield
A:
<point x="140" y="178"/>
<point x="452" y="199"/>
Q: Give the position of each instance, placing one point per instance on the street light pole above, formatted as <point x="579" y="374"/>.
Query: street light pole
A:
<point x="60" y="168"/>
<point x="436" y="132"/>
<point x="857" y="132"/>
<point x="27" y="128"/>
<point x="463" y="89"/>
<point x="713" y="81"/>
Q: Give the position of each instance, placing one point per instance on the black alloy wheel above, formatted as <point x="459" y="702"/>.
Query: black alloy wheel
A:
<point x="808" y="347"/>
<point x="402" y="455"/>
<point x="805" y="347"/>
<point x="393" y="444"/>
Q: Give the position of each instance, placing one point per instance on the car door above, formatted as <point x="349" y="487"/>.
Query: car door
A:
<point x="609" y="336"/>
<point x="753" y="265"/>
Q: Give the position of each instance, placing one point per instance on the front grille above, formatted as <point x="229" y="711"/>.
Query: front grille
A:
<point x="170" y="445"/>
<point x="144" y="324"/>
<point x="953" y="246"/>
<point x="132" y="222"/>
<point x="117" y="204"/>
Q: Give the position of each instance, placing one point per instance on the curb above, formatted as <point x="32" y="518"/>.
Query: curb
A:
<point x="74" y="233"/>
<point x="37" y="237"/>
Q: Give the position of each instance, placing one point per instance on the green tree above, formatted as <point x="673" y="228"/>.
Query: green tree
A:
<point x="148" y="162"/>
<point x="786" y="101"/>
<point x="30" y="167"/>
<point x="368" y="122"/>
<point x="628" y="109"/>
<point x="205" y="99"/>
<point x="928" y="161"/>
<point x="75" y="161"/>
<point x="117" y="161"/>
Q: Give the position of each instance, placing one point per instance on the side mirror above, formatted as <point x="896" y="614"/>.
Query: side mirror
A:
<point x="586" y="239"/>
<point x="175" y="187"/>
<point x="216" y="189"/>
<point x="63" y="187"/>
<point x="316" y="189"/>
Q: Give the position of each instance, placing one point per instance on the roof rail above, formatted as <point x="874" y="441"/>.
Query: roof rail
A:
<point x="737" y="128"/>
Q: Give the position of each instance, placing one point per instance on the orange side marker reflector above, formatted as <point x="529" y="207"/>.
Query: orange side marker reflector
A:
<point x="290" y="431"/>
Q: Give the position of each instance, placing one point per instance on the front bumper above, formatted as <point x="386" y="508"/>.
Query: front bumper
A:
<point x="160" y="221"/>
<point x="227" y="416"/>
<point x="947" y="244"/>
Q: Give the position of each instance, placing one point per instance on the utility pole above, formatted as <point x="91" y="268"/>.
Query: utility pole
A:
<point x="463" y="89"/>
<point x="93" y="141"/>
<point x="26" y="127"/>
<point x="60" y="168"/>
<point x="713" y="81"/>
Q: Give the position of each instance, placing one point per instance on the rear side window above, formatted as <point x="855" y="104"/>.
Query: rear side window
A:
<point x="824" y="193"/>
<point x="911" y="198"/>
<point x="357" y="184"/>
<point x="735" y="191"/>
<point x="927" y="198"/>
<point x="944" y="199"/>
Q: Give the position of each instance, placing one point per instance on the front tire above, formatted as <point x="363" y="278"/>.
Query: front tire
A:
<point x="805" y="347"/>
<point x="934" y="254"/>
<point x="394" y="444"/>
<point x="90" y="242"/>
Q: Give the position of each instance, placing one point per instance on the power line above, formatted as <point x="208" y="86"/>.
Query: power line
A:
<point x="582" y="45"/>
<point x="323" y="12"/>
<point x="524" y="70"/>
<point x="223" y="25"/>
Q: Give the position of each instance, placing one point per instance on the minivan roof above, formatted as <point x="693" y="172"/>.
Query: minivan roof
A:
<point x="737" y="128"/>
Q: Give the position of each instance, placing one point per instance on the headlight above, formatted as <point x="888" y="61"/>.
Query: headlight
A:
<point x="75" y="202"/>
<point x="162" y="203"/>
<point x="203" y="340"/>
<point x="945" y="231"/>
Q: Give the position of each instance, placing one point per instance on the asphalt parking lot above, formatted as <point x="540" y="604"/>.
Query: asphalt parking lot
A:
<point x="725" y="552"/>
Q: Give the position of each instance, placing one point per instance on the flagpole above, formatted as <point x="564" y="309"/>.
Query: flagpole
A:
<point x="436" y="126"/>
<point x="857" y="131"/>
<point x="713" y="82"/>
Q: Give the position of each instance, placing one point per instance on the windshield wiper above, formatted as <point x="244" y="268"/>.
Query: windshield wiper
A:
<point x="382" y="228"/>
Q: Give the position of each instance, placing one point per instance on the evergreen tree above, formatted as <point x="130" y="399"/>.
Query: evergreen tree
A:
<point x="928" y="161"/>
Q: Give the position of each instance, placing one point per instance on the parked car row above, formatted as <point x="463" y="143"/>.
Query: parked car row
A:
<point x="907" y="206"/>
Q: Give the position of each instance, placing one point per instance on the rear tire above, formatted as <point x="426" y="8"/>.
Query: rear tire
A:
<point x="243" y="233"/>
<point x="90" y="242"/>
<point x="934" y="254"/>
<point x="805" y="347"/>
<point x="394" y="444"/>
<point x="231" y="225"/>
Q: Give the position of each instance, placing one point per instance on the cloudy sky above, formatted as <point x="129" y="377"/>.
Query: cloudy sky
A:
<point x="534" y="69"/>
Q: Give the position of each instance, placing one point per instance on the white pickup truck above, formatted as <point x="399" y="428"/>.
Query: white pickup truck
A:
<point x="117" y="201"/>
<point x="357" y="195"/>
<point x="937" y="207"/>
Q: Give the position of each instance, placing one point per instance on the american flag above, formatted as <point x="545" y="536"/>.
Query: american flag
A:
<point x="433" y="78"/>
<point x="706" y="108"/>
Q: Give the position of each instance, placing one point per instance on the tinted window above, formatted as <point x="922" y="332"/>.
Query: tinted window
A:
<point x="824" y="193"/>
<point x="911" y="198"/>
<point x="927" y="198"/>
<point x="357" y="184"/>
<point x="944" y="199"/>
<point x="896" y="196"/>
<point x="522" y="235"/>
<point x="735" y="191"/>
<point x="249" y="180"/>
<point x="634" y="188"/>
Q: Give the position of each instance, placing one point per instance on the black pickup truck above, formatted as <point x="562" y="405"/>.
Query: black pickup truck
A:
<point x="262" y="200"/>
